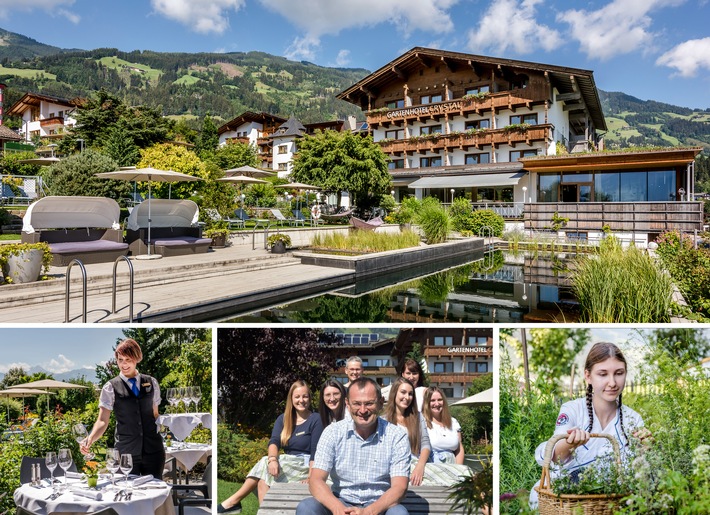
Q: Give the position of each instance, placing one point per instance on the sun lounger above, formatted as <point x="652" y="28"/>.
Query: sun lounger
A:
<point x="282" y="219"/>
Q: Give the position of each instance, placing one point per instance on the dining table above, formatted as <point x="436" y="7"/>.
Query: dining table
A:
<point x="150" y="497"/>
<point x="187" y="455"/>
<point x="182" y="424"/>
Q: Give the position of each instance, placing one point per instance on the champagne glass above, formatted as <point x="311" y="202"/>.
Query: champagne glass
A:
<point x="190" y="395"/>
<point x="65" y="461"/>
<point x="196" y="396"/>
<point x="51" y="461"/>
<point x="82" y="435"/>
<point x="113" y="462"/>
<point x="126" y="465"/>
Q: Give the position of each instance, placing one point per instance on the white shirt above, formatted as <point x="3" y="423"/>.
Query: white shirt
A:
<point x="107" y="396"/>
<point x="444" y="438"/>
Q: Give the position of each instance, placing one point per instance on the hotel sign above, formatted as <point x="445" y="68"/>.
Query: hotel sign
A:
<point x="460" y="350"/>
<point x="425" y="110"/>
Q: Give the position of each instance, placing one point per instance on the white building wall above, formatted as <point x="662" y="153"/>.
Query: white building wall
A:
<point x="47" y="110"/>
<point x="251" y="130"/>
<point x="282" y="162"/>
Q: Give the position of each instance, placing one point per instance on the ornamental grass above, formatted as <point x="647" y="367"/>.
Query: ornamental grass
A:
<point x="363" y="242"/>
<point x="621" y="286"/>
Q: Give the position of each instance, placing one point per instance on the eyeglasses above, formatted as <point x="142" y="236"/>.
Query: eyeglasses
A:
<point x="368" y="405"/>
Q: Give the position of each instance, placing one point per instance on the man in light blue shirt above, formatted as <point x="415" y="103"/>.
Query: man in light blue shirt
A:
<point x="367" y="459"/>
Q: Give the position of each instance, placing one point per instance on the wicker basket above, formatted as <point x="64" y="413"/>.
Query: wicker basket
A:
<point x="573" y="504"/>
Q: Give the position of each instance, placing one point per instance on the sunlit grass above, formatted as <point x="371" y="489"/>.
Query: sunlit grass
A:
<point x="365" y="241"/>
<point x="225" y="489"/>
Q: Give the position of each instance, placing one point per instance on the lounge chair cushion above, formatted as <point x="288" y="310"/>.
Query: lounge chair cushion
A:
<point x="182" y="240"/>
<point x="76" y="247"/>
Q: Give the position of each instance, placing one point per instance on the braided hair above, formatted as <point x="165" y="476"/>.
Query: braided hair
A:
<point x="599" y="352"/>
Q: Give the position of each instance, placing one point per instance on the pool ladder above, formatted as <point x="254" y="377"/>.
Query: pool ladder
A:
<point x="84" y="295"/>
<point x="488" y="262"/>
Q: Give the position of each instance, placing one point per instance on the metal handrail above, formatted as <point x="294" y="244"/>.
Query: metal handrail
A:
<point x="83" y="290"/>
<point x="130" y="288"/>
<point x="260" y="225"/>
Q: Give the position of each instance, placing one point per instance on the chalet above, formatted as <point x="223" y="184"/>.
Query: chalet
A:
<point x="520" y="137"/>
<point x="44" y="116"/>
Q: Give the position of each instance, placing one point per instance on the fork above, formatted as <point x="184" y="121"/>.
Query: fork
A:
<point x="118" y="495"/>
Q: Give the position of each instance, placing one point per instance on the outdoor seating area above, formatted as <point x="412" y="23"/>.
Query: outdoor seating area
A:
<point x="84" y="228"/>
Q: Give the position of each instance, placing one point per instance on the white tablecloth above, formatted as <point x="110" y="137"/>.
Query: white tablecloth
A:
<point x="188" y="455"/>
<point x="145" y="501"/>
<point x="182" y="424"/>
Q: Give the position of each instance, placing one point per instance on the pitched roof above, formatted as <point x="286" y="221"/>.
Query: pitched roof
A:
<point x="291" y="127"/>
<point x="7" y="133"/>
<point x="33" y="99"/>
<point x="249" y="116"/>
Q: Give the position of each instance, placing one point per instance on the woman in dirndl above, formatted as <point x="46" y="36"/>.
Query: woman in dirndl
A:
<point x="297" y="432"/>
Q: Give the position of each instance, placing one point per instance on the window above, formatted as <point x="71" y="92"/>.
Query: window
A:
<point x="395" y="134"/>
<point x="283" y="166"/>
<point x="428" y="162"/>
<point x="478" y="340"/>
<point x="430" y="99"/>
<point x="548" y="188"/>
<point x="577" y="236"/>
<point x="365" y="363"/>
<point x="520" y="82"/>
<point x="449" y="392"/>
<point x="478" y="124"/>
<point x="517" y="154"/>
<point x="431" y="129"/>
<point x="478" y="89"/>
<point x="395" y="164"/>
<point x="386" y="381"/>
<point x="382" y="362"/>
<point x="443" y="340"/>
<point x="475" y="367"/>
<point x="441" y="367"/>
<point x="395" y="104"/>
<point x="477" y="159"/>
<point x="283" y="149"/>
<point x="524" y="118"/>
<point x="60" y="114"/>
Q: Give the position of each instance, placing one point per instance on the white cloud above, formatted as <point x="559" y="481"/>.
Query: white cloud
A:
<point x="343" y="58"/>
<point x="203" y="16"/>
<point x="510" y="25"/>
<point x="5" y="367"/>
<point x="59" y="365"/>
<point x="51" y="6"/>
<point x="688" y="57"/>
<point x="620" y="27"/>
<point x="317" y="18"/>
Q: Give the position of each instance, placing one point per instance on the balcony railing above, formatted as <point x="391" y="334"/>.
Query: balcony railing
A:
<point x="453" y="377"/>
<point x="511" y="100"/>
<point x="462" y="140"/>
<point x="618" y="216"/>
<point x="52" y="122"/>
<point x="508" y="210"/>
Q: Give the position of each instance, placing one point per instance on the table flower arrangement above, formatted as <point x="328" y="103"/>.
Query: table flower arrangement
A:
<point x="91" y="471"/>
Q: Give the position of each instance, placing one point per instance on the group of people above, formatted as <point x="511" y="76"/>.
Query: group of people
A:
<point x="371" y="456"/>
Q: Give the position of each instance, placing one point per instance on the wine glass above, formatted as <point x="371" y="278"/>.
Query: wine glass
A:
<point x="82" y="435"/>
<point x="51" y="461"/>
<point x="183" y="396"/>
<point x="196" y="396"/>
<point x="65" y="461"/>
<point x="171" y="396"/>
<point x="126" y="465"/>
<point x="113" y="462"/>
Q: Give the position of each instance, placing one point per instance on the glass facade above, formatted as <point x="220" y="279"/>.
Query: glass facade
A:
<point x="613" y="186"/>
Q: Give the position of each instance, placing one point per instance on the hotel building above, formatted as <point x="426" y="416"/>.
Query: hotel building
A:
<point x="44" y="116"/>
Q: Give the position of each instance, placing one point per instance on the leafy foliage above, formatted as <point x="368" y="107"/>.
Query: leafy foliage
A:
<point x="477" y="221"/>
<point x="167" y="156"/>
<point x="552" y="352"/>
<point x="234" y="155"/>
<point x="434" y="221"/>
<point x="76" y="176"/>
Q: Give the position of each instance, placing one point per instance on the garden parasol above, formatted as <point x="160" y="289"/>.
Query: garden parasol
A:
<point x="42" y="161"/>
<point x="48" y="384"/>
<point x="481" y="398"/>
<point x="19" y="391"/>
<point x="249" y="171"/>
<point x="298" y="186"/>
<point x="149" y="175"/>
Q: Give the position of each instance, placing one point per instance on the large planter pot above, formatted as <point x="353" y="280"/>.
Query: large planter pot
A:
<point x="278" y="247"/>
<point x="219" y="240"/>
<point x="25" y="266"/>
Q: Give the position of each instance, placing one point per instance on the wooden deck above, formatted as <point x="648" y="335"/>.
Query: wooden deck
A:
<point x="283" y="498"/>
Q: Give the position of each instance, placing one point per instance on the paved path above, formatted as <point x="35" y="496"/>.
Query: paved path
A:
<point x="194" y="288"/>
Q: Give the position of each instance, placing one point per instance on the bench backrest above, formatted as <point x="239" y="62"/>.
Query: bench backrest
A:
<point x="71" y="213"/>
<point x="163" y="213"/>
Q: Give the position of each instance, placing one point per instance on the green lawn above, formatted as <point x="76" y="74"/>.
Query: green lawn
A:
<point x="250" y="505"/>
<point x="187" y="80"/>
<point x="114" y="62"/>
<point x="26" y="74"/>
<point x="9" y="237"/>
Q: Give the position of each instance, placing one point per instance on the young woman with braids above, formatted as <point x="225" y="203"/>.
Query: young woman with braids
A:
<point x="297" y="432"/>
<point x="600" y="411"/>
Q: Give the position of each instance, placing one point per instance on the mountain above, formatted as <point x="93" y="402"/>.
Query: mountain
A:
<point x="87" y="374"/>
<point x="226" y="85"/>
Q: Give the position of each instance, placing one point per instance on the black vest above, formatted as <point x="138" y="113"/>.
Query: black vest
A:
<point x="136" y="432"/>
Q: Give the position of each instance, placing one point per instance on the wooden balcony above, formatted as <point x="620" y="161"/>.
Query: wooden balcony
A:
<point x="465" y="140"/>
<point x="473" y="350"/>
<point x="511" y="100"/>
<point x="453" y="377"/>
<point x="52" y="122"/>
<point x="650" y="217"/>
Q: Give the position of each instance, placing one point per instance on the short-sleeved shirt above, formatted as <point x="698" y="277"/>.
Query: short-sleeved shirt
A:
<point x="304" y="438"/>
<point x="107" y="397"/>
<point x="445" y="438"/>
<point x="361" y="470"/>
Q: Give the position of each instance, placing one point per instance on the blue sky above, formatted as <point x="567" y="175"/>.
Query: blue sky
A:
<point x="651" y="49"/>
<point x="57" y="350"/>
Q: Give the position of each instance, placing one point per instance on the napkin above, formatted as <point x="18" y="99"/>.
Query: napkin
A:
<point x="73" y="475"/>
<point x="143" y="479"/>
<point x="91" y="494"/>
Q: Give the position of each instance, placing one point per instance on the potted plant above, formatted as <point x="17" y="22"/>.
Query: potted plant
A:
<point x="278" y="242"/>
<point x="24" y="262"/>
<point x="219" y="232"/>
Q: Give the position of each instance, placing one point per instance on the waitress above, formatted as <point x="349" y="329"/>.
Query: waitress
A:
<point x="134" y="398"/>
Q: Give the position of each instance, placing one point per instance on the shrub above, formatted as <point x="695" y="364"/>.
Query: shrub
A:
<point x="237" y="453"/>
<point x="434" y="221"/>
<point x="75" y="176"/>
<point x="477" y="220"/>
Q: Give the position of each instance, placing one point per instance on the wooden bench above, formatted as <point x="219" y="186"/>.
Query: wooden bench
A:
<point x="283" y="498"/>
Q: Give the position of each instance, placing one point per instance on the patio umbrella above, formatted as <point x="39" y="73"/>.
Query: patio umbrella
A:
<point x="149" y="175"/>
<point x="42" y="161"/>
<point x="242" y="179"/>
<point x="298" y="186"/>
<point x="481" y="398"/>
<point x="48" y="384"/>
<point x="249" y="171"/>
<point x="19" y="391"/>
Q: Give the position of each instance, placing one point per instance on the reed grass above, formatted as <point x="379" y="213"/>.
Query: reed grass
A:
<point x="366" y="241"/>
<point x="621" y="286"/>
